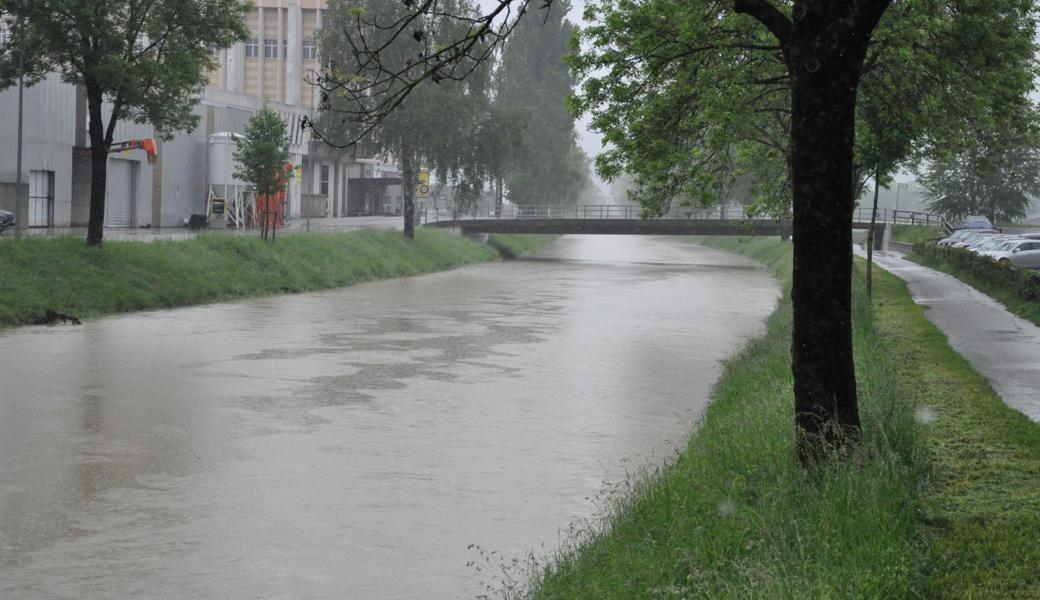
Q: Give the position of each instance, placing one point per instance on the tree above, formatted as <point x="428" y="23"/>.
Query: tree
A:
<point x="689" y="93"/>
<point x="148" y="59"/>
<point x="439" y="123"/>
<point x="533" y="84"/>
<point x="997" y="178"/>
<point x="262" y="156"/>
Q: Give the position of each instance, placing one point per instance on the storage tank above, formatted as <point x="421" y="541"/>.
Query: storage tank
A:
<point x="228" y="201"/>
<point x="222" y="163"/>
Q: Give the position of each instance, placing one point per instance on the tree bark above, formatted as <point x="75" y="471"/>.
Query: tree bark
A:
<point x="824" y="45"/>
<point x="408" y="182"/>
<point x="99" y="146"/>
<point x="825" y="75"/>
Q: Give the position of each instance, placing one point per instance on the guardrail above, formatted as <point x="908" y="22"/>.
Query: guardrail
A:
<point x="609" y="211"/>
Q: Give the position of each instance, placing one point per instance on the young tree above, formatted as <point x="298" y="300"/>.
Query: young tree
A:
<point x="262" y="156"/>
<point x="439" y="122"/>
<point x="148" y="59"/>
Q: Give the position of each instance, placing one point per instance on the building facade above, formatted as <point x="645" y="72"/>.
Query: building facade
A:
<point x="276" y="67"/>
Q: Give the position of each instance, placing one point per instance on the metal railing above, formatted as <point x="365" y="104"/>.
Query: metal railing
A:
<point x="900" y="217"/>
<point x="608" y="211"/>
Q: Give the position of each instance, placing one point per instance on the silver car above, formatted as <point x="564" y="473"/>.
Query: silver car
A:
<point x="1023" y="253"/>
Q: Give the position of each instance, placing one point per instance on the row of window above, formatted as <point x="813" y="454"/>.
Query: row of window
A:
<point x="310" y="49"/>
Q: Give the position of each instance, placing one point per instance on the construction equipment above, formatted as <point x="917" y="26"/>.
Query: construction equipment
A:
<point x="147" y="144"/>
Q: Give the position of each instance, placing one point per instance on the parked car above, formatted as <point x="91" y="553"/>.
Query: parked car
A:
<point x="1023" y="253"/>
<point x="962" y="234"/>
<point x="977" y="222"/>
<point x="974" y="239"/>
<point x="6" y="220"/>
<point x="992" y="243"/>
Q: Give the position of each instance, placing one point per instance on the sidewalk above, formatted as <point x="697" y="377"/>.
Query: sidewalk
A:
<point x="144" y="234"/>
<point x="1004" y="348"/>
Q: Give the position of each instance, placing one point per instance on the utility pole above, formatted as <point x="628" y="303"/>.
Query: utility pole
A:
<point x="18" y="216"/>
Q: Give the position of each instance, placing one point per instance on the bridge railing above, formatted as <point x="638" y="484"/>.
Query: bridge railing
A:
<point x="581" y="211"/>
<point x="610" y="211"/>
<point x="901" y="217"/>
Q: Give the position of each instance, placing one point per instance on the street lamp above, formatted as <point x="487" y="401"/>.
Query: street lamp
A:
<point x="18" y="217"/>
<point x="900" y="186"/>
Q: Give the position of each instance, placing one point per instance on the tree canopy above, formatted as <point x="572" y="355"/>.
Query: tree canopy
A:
<point x="533" y="84"/>
<point x="439" y="124"/>
<point x="997" y="177"/>
<point x="691" y="94"/>
<point x="263" y="153"/>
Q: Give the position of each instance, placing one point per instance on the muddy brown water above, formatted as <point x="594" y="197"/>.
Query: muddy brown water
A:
<point x="357" y="443"/>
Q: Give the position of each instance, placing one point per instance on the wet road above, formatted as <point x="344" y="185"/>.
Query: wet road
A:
<point x="354" y="443"/>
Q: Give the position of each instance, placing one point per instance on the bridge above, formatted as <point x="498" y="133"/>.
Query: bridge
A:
<point x="624" y="220"/>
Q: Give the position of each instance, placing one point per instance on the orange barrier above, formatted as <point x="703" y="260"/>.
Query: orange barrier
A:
<point x="273" y="206"/>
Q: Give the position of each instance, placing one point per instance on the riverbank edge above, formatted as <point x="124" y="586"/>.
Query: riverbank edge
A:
<point x="64" y="276"/>
<point x="735" y="515"/>
<point x="964" y="523"/>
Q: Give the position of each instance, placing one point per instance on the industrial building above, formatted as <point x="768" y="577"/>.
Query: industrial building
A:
<point x="275" y="67"/>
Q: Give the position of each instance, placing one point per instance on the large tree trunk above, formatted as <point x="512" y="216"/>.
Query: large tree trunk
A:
<point x="99" y="146"/>
<point x="824" y="81"/>
<point x="408" y="183"/>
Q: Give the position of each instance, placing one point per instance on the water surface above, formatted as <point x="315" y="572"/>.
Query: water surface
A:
<point x="356" y="443"/>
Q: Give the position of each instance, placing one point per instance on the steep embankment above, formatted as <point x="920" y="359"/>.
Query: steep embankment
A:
<point x="64" y="275"/>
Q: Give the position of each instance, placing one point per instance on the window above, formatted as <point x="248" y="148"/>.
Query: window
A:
<point x="310" y="49"/>
<point x="5" y="33"/>
<point x="270" y="48"/>
<point x="251" y="48"/>
<point x="323" y="180"/>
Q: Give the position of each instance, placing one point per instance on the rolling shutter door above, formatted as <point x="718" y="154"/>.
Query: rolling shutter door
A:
<point x="119" y="194"/>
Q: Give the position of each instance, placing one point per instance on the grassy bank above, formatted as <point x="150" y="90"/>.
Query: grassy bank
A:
<point x="913" y="234"/>
<point x="66" y="276"/>
<point x="736" y="516"/>
<point x="982" y="507"/>
<point x="941" y="502"/>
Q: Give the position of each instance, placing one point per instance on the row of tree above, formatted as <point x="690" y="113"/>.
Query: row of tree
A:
<point x="503" y="125"/>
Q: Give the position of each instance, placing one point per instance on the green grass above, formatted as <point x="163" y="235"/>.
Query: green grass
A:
<point x="736" y="516"/>
<point x="67" y="276"/>
<point x="948" y="508"/>
<point x="983" y="504"/>
<point x="912" y="234"/>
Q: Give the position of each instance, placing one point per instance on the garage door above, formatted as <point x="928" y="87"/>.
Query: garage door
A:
<point x="119" y="195"/>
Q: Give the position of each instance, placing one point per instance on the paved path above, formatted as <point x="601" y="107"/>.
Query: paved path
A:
<point x="317" y="225"/>
<point x="1001" y="346"/>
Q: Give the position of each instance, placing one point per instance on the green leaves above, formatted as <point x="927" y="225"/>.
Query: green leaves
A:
<point x="694" y="99"/>
<point x="263" y="153"/>
<point x="150" y="59"/>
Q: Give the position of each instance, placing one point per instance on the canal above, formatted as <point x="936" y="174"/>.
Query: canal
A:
<point x="366" y="442"/>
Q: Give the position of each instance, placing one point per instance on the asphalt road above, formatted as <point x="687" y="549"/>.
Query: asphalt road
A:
<point x="1004" y="348"/>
